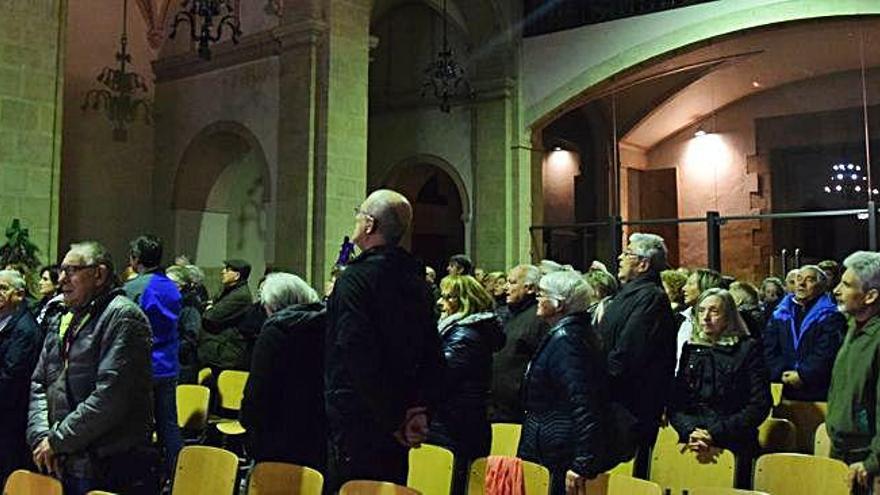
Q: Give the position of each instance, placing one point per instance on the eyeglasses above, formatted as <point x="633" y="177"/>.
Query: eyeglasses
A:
<point x="358" y="211"/>
<point x="630" y="253"/>
<point x="69" y="270"/>
<point x="448" y="297"/>
<point x="544" y="295"/>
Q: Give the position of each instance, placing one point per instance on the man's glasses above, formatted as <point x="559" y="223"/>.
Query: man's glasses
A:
<point x="69" y="270"/>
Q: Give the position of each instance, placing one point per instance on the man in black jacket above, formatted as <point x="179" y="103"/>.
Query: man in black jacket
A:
<point x="638" y="335"/>
<point x="19" y="349"/>
<point x="383" y="360"/>
<point x="222" y="345"/>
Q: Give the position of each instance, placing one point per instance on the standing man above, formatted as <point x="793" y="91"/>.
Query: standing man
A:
<point x="383" y="360"/>
<point x="638" y="335"/>
<point x="524" y="331"/>
<point x="90" y="418"/>
<point x="19" y="348"/>
<point x="222" y="345"/>
<point x="852" y="421"/>
<point x="159" y="298"/>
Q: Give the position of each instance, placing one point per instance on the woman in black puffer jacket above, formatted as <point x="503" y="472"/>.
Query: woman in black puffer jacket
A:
<point x="564" y="388"/>
<point x="470" y="333"/>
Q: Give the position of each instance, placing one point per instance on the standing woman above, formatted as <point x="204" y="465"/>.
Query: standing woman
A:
<point x="51" y="303"/>
<point x="470" y="334"/>
<point x="564" y="388"/>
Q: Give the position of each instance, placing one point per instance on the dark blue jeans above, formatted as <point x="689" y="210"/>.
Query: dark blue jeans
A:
<point x="165" y="408"/>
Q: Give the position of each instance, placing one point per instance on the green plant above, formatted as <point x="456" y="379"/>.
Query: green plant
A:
<point x="19" y="250"/>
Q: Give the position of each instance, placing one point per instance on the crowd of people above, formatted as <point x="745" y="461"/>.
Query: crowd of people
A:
<point x="590" y="364"/>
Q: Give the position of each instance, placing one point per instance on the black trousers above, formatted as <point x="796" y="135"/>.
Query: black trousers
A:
<point x="362" y="455"/>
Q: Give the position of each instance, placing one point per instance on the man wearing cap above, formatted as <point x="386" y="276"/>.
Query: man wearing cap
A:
<point x="221" y="344"/>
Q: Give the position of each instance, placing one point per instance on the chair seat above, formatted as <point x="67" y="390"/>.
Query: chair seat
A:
<point x="231" y="427"/>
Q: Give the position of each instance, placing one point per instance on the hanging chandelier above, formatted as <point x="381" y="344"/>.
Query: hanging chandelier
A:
<point x="444" y="76"/>
<point x="848" y="180"/>
<point x="118" y="98"/>
<point x="201" y="15"/>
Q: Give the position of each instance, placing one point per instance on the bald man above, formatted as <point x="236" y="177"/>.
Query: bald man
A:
<point x="383" y="359"/>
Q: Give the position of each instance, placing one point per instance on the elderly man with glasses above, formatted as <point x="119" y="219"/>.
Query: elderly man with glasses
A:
<point x="90" y="420"/>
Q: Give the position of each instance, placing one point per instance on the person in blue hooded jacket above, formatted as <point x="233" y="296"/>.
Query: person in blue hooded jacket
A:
<point x="803" y="336"/>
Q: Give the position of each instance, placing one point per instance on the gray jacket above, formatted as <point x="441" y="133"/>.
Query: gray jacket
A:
<point x="100" y="404"/>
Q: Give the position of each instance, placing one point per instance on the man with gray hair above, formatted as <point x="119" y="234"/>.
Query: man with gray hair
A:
<point x="19" y="348"/>
<point x="524" y="331"/>
<point x="803" y="336"/>
<point x="383" y="361"/>
<point x="638" y="336"/>
<point x="90" y="420"/>
<point x="852" y="422"/>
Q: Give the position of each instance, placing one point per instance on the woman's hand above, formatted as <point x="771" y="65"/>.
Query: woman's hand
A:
<point x="699" y="440"/>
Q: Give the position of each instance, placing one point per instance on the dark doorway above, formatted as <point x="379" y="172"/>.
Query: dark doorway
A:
<point x="654" y="194"/>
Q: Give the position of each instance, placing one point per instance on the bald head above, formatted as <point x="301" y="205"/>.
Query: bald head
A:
<point x="392" y="214"/>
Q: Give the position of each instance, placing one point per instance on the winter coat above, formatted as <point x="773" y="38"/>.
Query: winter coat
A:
<point x="638" y="335"/>
<point x="809" y="348"/>
<point x="565" y="396"/>
<point x="221" y="343"/>
<point x="188" y="327"/>
<point x="159" y="299"/>
<point x="98" y="404"/>
<point x="382" y="349"/>
<point x="724" y="389"/>
<point x="283" y="404"/>
<point x="460" y="422"/>
<point x="524" y="331"/>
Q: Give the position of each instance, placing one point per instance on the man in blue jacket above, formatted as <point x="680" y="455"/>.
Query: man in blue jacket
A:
<point x="803" y="336"/>
<point x="159" y="298"/>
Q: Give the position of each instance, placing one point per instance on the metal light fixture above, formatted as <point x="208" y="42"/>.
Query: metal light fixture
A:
<point x="847" y="180"/>
<point x="200" y="15"/>
<point x="444" y="76"/>
<point x="118" y="98"/>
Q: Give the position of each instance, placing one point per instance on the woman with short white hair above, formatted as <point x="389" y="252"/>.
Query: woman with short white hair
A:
<point x="283" y="404"/>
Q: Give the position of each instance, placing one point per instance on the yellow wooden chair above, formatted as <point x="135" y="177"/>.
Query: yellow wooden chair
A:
<point x="821" y="442"/>
<point x="800" y="474"/>
<point x="192" y="407"/>
<point x="722" y="491"/>
<point x="806" y="416"/>
<point x="777" y="435"/>
<point x="280" y="478"/>
<point x="618" y="484"/>
<point x="430" y="470"/>
<point x="677" y="471"/>
<point x="100" y="492"/>
<point x="505" y="439"/>
<point x="624" y="468"/>
<point x="776" y="393"/>
<point x="230" y="389"/>
<point x="205" y="374"/>
<point x="535" y="477"/>
<point x="23" y="482"/>
<point x="366" y="487"/>
<point x="202" y="469"/>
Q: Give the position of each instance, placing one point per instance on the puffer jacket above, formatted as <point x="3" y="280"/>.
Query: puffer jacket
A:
<point x="564" y="392"/>
<point x="724" y="389"/>
<point x="100" y="403"/>
<point x="461" y="421"/>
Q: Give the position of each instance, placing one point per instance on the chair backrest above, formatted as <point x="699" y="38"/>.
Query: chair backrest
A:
<point x="366" y="487"/>
<point x="430" y="470"/>
<point x="624" y="468"/>
<point x="535" y="477"/>
<point x="676" y="471"/>
<point x="280" y="478"/>
<point x="806" y="416"/>
<point x="618" y="484"/>
<point x="505" y="439"/>
<point x="23" y="482"/>
<point x="203" y="469"/>
<point x="722" y="491"/>
<point x="777" y="435"/>
<point x="100" y="492"/>
<point x="800" y="474"/>
<point x="205" y="374"/>
<point x="192" y="406"/>
<point x="230" y="388"/>
<point x="821" y="442"/>
<point x="776" y="393"/>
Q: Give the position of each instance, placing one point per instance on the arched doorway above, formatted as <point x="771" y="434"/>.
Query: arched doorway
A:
<point x="222" y="201"/>
<point x="439" y="209"/>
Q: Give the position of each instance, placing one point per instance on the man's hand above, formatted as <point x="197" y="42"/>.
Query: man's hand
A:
<point x="414" y="429"/>
<point x="574" y="483"/>
<point x="699" y="440"/>
<point x="792" y="378"/>
<point x="45" y="459"/>
<point x="858" y="475"/>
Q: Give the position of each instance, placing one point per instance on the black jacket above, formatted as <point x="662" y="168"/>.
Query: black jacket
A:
<point x="222" y="343"/>
<point x="638" y="335"/>
<point x="722" y="389"/>
<point x="524" y="331"/>
<point x="19" y="349"/>
<point x="564" y="392"/>
<point x="382" y="348"/>
<point x="460" y="421"/>
<point x="283" y="405"/>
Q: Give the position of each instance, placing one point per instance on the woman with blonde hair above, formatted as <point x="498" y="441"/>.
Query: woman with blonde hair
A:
<point x="470" y="333"/>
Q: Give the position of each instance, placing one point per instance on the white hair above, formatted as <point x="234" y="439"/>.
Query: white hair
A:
<point x="531" y="274"/>
<point x="866" y="266"/>
<point x="821" y="276"/>
<point x="281" y="290"/>
<point x="568" y="287"/>
<point x="651" y="247"/>
<point x="14" y="279"/>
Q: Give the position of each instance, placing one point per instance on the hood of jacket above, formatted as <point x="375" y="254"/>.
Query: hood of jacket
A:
<point x="297" y="314"/>
<point x="486" y="323"/>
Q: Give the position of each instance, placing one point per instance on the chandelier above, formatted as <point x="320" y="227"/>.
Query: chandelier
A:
<point x="118" y="98"/>
<point x="200" y="15"/>
<point x="444" y="76"/>
<point x="848" y="180"/>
